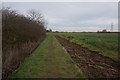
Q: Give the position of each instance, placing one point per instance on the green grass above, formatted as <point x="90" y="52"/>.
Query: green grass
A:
<point x="105" y="43"/>
<point x="49" y="60"/>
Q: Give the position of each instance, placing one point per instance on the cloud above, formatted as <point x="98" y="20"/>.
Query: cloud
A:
<point x="100" y="21"/>
<point x="60" y="0"/>
<point x="81" y="15"/>
<point x="55" y="20"/>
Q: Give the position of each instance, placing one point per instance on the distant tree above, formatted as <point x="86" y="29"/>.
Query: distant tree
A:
<point x="56" y="31"/>
<point x="47" y="30"/>
<point x="98" y="31"/>
<point x="50" y="30"/>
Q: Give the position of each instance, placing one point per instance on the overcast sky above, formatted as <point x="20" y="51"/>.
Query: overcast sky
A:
<point x="73" y="16"/>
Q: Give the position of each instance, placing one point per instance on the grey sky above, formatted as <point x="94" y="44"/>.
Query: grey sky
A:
<point x="73" y="16"/>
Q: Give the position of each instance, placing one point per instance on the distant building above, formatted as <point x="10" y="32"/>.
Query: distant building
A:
<point x="104" y="30"/>
<point x="50" y="30"/>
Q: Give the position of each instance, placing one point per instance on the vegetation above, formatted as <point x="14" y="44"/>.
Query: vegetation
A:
<point x="104" y="43"/>
<point x="21" y="35"/>
<point x="49" y="60"/>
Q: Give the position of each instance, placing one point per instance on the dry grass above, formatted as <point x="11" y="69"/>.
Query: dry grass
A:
<point x="15" y="55"/>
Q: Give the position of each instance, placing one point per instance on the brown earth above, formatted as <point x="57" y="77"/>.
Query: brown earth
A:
<point x="92" y="64"/>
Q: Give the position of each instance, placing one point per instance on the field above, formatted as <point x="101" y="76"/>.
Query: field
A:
<point x="39" y="41"/>
<point x="104" y="43"/>
<point x="73" y="55"/>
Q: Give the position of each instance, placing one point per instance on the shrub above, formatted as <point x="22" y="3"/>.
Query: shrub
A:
<point x="20" y="36"/>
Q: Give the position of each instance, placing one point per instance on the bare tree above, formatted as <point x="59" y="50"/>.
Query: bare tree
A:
<point x="35" y="15"/>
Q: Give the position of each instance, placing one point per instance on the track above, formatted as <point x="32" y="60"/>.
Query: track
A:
<point x="49" y="60"/>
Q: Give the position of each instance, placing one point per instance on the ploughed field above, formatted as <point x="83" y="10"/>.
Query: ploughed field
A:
<point x="92" y="64"/>
<point x="104" y="43"/>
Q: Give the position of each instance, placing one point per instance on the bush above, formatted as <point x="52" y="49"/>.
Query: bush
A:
<point x="20" y="36"/>
<point x="17" y="28"/>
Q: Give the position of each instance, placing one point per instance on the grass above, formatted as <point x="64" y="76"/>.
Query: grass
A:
<point x="49" y="60"/>
<point x="105" y="43"/>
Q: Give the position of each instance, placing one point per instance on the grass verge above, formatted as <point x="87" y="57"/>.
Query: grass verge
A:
<point x="49" y="60"/>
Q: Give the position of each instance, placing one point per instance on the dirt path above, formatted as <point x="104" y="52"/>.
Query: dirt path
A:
<point x="92" y="64"/>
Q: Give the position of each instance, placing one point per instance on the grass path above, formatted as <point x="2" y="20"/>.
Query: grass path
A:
<point x="49" y="60"/>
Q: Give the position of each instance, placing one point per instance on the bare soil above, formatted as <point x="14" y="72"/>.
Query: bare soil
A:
<point x="92" y="64"/>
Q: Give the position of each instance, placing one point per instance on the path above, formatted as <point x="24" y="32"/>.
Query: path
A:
<point x="49" y="60"/>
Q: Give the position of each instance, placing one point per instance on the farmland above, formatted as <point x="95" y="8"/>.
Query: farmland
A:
<point x="104" y="43"/>
<point x="72" y="55"/>
<point x="45" y="43"/>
